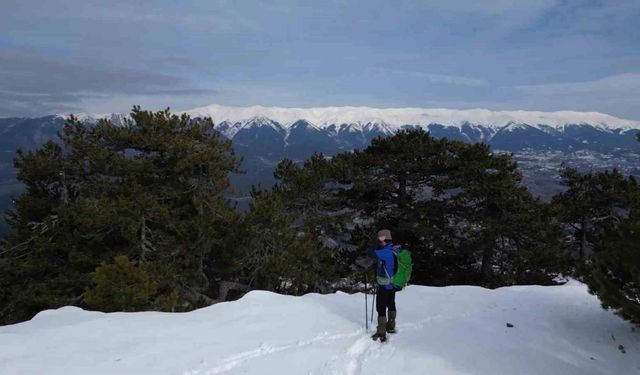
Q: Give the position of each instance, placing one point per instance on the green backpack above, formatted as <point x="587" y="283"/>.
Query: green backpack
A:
<point x="404" y="265"/>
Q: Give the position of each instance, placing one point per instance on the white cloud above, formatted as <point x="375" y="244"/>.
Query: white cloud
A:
<point x="616" y="86"/>
<point x="617" y="94"/>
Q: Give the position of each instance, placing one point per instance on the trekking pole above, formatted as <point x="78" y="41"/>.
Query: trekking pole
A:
<point x="366" y="304"/>
<point x="373" y="302"/>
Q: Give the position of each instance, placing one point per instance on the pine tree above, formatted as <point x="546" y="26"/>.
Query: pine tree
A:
<point x="150" y="190"/>
<point x="455" y="205"/>
<point x="393" y="185"/>
<point x="591" y="203"/>
<point x="121" y="286"/>
<point x="313" y="194"/>
<point x="494" y="221"/>
<point x="614" y="271"/>
<point x="275" y="255"/>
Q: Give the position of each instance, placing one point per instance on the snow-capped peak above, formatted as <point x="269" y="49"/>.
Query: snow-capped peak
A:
<point x="116" y="118"/>
<point x="233" y="127"/>
<point x="393" y="118"/>
<point x="389" y="120"/>
<point x="261" y="121"/>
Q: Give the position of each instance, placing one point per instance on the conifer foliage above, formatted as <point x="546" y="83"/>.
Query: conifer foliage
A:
<point x="143" y="202"/>
<point x="121" y="286"/>
<point x="601" y="212"/>
<point x="277" y="255"/>
<point x="614" y="272"/>
<point x="460" y="208"/>
<point x="591" y="203"/>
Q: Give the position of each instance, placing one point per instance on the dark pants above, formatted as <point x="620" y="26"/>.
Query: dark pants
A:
<point x="385" y="299"/>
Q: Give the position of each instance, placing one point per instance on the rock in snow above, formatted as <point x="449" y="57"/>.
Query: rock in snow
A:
<point x="450" y="330"/>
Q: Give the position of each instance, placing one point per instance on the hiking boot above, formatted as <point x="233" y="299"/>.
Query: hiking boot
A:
<point x="391" y="322"/>
<point x="381" y="331"/>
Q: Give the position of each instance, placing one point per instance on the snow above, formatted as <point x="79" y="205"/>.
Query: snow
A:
<point x="514" y="127"/>
<point x="396" y="117"/>
<point x="116" y="118"/>
<point x="254" y="122"/>
<point x="450" y="330"/>
<point x="390" y="120"/>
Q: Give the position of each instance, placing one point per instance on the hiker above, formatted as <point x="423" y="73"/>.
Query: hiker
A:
<point x="386" y="291"/>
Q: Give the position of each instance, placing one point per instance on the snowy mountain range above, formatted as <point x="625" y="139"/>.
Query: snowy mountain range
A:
<point x="473" y="125"/>
<point x="396" y="117"/>
<point x="265" y="135"/>
<point x="354" y="127"/>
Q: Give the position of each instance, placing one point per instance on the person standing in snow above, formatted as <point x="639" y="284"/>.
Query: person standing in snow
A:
<point x="386" y="292"/>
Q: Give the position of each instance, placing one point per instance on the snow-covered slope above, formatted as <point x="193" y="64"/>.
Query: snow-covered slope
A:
<point x="477" y="125"/>
<point x="452" y="330"/>
<point x="396" y="117"/>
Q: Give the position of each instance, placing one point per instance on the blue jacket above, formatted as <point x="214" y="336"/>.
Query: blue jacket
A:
<point x="386" y="262"/>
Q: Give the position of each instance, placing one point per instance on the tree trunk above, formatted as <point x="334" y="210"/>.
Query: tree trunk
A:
<point x="402" y="190"/>
<point x="226" y="286"/>
<point x="487" y="262"/>
<point x="583" y="239"/>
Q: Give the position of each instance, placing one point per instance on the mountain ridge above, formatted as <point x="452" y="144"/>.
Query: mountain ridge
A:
<point x="395" y="118"/>
<point x="263" y="136"/>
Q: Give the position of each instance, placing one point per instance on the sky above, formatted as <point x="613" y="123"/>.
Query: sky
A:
<point x="106" y="56"/>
